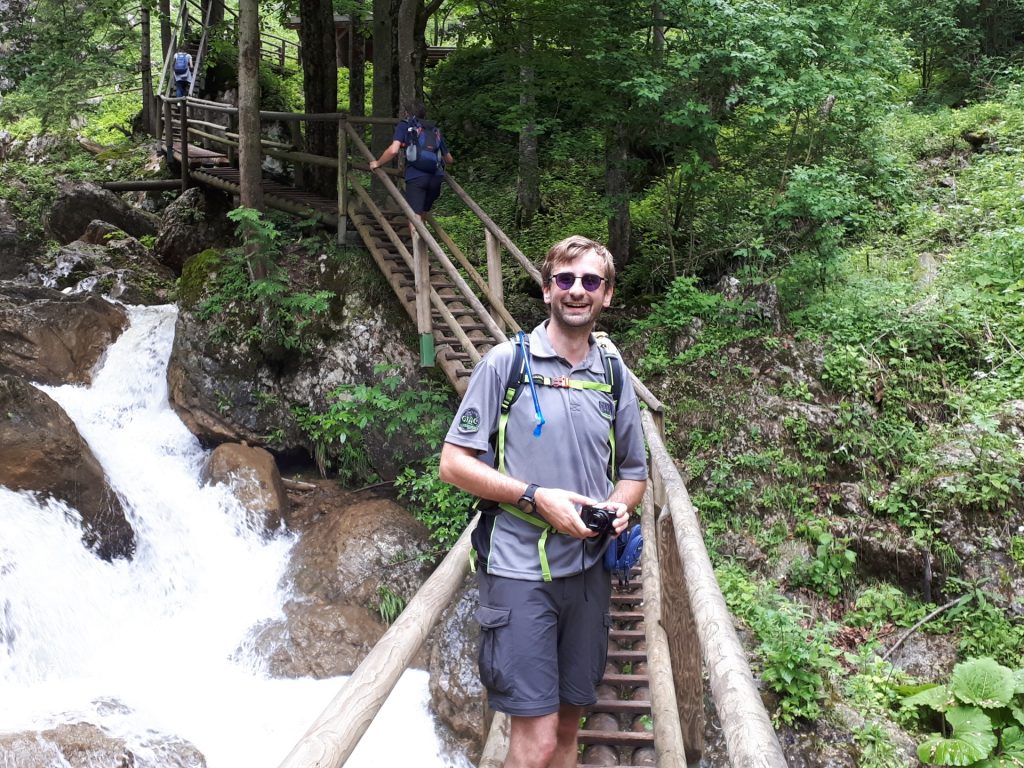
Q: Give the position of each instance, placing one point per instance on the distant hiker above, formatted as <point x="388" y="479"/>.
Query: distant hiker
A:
<point x="182" y="72"/>
<point x="569" y="466"/>
<point x="426" y="155"/>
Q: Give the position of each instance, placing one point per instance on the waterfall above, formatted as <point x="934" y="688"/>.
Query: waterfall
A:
<point x="151" y="646"/>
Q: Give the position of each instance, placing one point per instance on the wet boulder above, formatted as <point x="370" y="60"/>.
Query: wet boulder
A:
<point x="458" y="697"/>
<point x="253" y="477"/>
<point x="194" y="222"/>
<point x="55" y="339"/>
<point x="42" y="451"/>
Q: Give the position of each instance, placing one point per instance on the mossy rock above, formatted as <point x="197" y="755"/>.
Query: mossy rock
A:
<point x="195" y="276"/>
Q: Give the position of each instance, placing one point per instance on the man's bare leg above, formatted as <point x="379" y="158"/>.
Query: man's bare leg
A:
<point x="567" y="750"/>
<point x="532" y="741"/>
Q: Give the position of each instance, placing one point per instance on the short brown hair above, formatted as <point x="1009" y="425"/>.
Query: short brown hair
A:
<point x="572" y="248"/>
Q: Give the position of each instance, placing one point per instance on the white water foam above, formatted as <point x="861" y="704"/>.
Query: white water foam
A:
<point x="151" y="645"/>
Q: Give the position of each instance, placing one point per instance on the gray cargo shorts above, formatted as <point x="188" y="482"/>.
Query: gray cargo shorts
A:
<point x="543" y="644"/>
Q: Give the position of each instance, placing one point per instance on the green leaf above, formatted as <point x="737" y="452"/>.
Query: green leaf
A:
<point x="983" y="682"/>
<point x="937" y="697"/>
<point x="972" y="739"/>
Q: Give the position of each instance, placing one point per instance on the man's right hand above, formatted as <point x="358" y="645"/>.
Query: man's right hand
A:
<point x="560" y="508"/>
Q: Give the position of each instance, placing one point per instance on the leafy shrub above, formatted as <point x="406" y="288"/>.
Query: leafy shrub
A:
<point x="981" y="713"/>
<point x="831" y="569"/>
<point x="442" y="507"/>
<point x="355" y="410"/>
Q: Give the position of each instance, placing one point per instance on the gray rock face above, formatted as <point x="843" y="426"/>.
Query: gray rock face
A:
<point x="79" y="204"/>
<point x="108" y="261"/>
<point x="55" y="339"/>
<point x="459" y="698"/>
<point x="14" y="244"/>
<point x="194" y="222"/>
<point x="226" y="389"/>
<point x="42" y="451"/>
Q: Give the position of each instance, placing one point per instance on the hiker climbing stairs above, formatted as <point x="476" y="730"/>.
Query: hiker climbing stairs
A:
<point x="617" y="729"/>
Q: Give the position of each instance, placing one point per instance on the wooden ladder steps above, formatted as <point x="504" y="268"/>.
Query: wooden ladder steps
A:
<point x="616" y="738"/>
<point x="627" y="656"/>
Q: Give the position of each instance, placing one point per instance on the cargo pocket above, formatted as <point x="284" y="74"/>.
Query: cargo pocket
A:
<point x="493" y="625"/>
<point x="602" y="655"/>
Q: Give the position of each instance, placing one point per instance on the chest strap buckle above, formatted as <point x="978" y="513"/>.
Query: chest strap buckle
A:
<point x="562" y="382"/>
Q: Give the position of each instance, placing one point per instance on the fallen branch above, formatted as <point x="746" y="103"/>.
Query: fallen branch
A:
<point x="925" y="620"/>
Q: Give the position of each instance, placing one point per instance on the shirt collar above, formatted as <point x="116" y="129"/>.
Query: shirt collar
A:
<point x="540" y="346"/>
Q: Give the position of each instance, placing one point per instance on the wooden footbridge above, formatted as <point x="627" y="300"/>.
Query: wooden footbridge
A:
<point x="673" y="637"/>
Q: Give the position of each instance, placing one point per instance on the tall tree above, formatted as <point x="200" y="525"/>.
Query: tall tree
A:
<point x="250" y="158"/>
<point x="320" y="85"/>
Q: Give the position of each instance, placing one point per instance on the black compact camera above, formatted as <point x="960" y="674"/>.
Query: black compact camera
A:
<point x="597" y="519"/>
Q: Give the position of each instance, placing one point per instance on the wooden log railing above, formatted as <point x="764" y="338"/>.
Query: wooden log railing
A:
<point x="690" y="631"/>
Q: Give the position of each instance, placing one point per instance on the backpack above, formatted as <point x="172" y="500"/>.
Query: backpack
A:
<point x="423" y="146"/>
<point x="181" y="63"/>
<point x="624" y="552"/>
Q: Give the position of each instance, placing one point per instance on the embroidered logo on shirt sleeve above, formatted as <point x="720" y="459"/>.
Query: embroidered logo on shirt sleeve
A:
<point x="469" y="421"/>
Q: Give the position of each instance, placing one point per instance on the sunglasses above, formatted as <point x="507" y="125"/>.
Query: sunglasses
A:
<point x="566" y="280"/>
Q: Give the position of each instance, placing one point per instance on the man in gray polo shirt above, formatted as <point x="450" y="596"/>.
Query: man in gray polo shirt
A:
<point x="544" y="594"/>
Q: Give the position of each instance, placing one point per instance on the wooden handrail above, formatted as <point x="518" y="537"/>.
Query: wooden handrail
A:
<point x="494" y="229"/>
<point x="668" y="734"/>
<point x="749" y="736"/>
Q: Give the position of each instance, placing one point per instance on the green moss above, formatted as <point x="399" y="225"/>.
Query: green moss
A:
<point x="195" y="276"/>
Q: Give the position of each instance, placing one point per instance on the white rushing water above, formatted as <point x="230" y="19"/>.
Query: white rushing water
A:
<point x="151" y="645"/>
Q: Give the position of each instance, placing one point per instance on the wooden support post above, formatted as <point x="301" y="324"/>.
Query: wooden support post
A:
<point x="494" y="281"/>
<point x="342" y="183"/>
<point x="681" y="629"/>
<point x="183" y="130"/>
<point x="169" y="130"/>
<point x="298" y="170"/>
<point x="231" y="152"/>
<point x="421" y="266"/>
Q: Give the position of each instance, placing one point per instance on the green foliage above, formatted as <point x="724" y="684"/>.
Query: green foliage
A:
<point x="683" y="308"/>
<point x="389" y="605"/>
<point x="339" y="434"/>
<point x="265" y="312"/>
<point x="795" y="659"/>
<point x="882" y="603"/>
<point x="830" y="570"/>
<point x="442" y="507"/>
<point x="982" y="716"/>
<point x="58" y="53"/>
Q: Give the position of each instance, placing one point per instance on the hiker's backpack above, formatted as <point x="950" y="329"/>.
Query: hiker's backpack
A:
<point x="624" y="552"/>
<point x="181" y="63"/>
<point x="423" y="146"/>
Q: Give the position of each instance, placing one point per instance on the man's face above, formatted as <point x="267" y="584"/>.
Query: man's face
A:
<point x="575" y="306"/>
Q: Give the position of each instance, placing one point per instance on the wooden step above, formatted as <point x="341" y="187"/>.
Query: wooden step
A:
<point x="620" y="679"/>
<point x="623" y="706"/>
<point x="627" y="615"/>
<point x="617" y="738"/>
<point x="627" y="656"/>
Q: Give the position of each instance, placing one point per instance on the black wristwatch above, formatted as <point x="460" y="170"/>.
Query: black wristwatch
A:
<point x="526" y="501"/>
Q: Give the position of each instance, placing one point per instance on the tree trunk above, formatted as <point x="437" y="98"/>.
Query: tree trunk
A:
<point x="320" y="87"/>
<point x="409" y="58"/>
<point x="357" y="68"/>
<point x="165" y="29"/>
<point x="385" y="92"/>
<point x="528" y="186"/>
<point x="146" y="66"/>
<point x="616" y="182"/>
<point x="249" y="157"/>
<point x="216" y="12"/>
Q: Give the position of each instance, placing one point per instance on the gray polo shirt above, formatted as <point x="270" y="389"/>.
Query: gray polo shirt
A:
<point x="571" y="452"/>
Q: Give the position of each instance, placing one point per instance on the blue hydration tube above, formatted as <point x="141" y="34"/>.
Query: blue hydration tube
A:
<point x="533" y="385"/>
